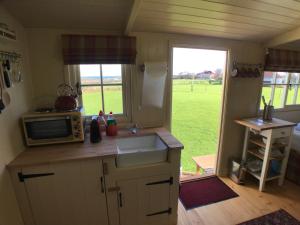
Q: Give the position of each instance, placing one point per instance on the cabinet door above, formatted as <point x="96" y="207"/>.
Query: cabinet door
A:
<point x="154" y="200"/>
<point x="68" y="193"/>
<point x="144" y="201"/>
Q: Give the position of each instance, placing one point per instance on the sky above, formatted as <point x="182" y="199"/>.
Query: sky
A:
<point x="197" y="60"/>
<point x="184" y="60"/>
<point x="94" y="70"/>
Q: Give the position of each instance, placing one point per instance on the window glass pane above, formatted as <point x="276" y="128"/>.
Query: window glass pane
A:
<point x="291" y="94"/>
<point x="113" y="99"/>
<point x="278" y="95"/>
<point x="294" y="78"/>
<point x="112" y="73"/>
<point x="268" y="77"/>
<point x="266" y="92"/>
<point x="282" y="78"/>
<point x="90" y="74"/>
<point x="298" y="96"/>
<point x="92" y="100"/>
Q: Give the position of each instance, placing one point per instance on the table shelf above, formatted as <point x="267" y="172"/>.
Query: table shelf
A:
<point x="257" y="175"/>
<point x="260" y="143"/>
<point x="259" y="155"/>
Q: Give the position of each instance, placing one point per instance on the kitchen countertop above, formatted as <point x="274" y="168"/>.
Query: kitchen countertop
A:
<point x="40" y="155"/>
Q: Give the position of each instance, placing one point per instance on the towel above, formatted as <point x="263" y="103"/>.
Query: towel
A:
<point x="154" y="84"/>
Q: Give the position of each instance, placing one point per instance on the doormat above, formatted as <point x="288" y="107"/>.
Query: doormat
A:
<point x="204" y="192"/>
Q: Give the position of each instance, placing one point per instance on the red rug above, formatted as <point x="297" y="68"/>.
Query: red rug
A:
<point x="279" y="217"/>
<point x="203" y="192"/>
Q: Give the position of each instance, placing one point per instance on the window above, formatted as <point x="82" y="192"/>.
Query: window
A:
<point x="281" y="88"/>
<point x="102" y="88"/>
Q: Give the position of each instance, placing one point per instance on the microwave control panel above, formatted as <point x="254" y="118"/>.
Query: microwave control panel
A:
<point x="77" y="127"/>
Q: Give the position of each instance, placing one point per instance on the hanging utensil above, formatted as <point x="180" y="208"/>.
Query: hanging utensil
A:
<point x="2" y="105"/>
<point x="6" y="73"/>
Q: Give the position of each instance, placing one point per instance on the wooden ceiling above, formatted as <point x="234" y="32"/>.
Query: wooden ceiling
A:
<point x="255" y="20"/>
<point x="239" y="19"/>
<point x="75" y="14"/>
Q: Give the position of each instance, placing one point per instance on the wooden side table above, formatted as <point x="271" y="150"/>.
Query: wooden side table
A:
<point x="256" y="130"/>
<point x="204" y="162"/>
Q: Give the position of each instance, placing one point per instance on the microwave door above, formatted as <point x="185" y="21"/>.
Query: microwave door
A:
<point x="45" y="128"/>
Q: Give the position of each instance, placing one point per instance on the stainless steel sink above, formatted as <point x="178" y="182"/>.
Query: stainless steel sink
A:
<point x="142" y="150"/>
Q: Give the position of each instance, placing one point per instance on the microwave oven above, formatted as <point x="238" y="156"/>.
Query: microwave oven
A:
<point x="53" y="128"/>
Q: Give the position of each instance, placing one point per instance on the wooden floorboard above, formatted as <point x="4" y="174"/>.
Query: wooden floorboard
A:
<point x="250" y="204"/>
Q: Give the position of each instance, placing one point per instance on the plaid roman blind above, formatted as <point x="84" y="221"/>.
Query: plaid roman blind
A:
<point x="282" y="60"/>
<point x="94" y="49"/>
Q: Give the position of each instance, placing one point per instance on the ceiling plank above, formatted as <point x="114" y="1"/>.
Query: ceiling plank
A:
<point x="284" y="38"/>
<point x="219" y="7"/>
<point x="290" y="4"/>
<point x="262" y="7"/>
<point x="133" y="14"/>
<point x="183" y="30"/>
<point x="190" y="26"/>
<point x="213" y="14"/>
<point x="149" y="14"/>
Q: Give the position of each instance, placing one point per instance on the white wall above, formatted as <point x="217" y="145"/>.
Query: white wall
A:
<point x="11" y="143"/>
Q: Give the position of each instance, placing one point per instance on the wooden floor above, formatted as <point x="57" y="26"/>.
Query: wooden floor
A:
<point x="250" y="204"/>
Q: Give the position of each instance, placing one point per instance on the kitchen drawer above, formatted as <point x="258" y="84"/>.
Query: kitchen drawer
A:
<point x="278" y="133"/>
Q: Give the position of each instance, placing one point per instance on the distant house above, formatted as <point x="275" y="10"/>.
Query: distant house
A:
<point x="205" y="75"/>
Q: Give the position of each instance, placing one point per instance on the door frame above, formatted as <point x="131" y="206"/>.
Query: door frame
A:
<point x="169" y="95"/>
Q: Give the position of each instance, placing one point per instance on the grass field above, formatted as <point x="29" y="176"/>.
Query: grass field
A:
<point x="195" y="113"/>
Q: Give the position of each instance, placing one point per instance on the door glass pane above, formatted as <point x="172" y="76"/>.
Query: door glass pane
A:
<point x="92" y="100"/>
<point x="113" y="99"/>
<point x="112" y="73"/>
<point x="90" y="74"/>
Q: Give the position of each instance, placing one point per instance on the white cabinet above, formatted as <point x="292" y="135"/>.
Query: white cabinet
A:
<point x="96" y="192"/>
<point x="143" y="195"/>
<point x="69" y="193"/>
<point x="145" y="201"/>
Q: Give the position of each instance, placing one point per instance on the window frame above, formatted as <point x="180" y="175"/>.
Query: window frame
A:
<point x="126" y="83"/>
<point x="284" y="107"/>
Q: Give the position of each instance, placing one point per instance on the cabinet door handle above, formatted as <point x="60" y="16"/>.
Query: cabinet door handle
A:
<point x="120" y="200"/>
<point x="102" y="184"/>
<point x="105" y="169"/>
<point x="170" y="181"/>
<point x="169" y="211"/>
<point x="22" y="176"/>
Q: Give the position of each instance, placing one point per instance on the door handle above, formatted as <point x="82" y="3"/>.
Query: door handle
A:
<point x="120" y="200"/>
<point x="113" y="189"/>
<point x="22" y="176"/>
<point x="102" y="184"/>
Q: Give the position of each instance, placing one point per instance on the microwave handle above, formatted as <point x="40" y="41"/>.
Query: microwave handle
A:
<point x="46" y="119"/>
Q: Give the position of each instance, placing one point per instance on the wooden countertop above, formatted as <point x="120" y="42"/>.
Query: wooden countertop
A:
<point x="259" y="125"/>
<point x="73" y="151"/>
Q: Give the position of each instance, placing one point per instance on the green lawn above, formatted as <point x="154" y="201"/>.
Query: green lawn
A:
<point x="195" y="116"/>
